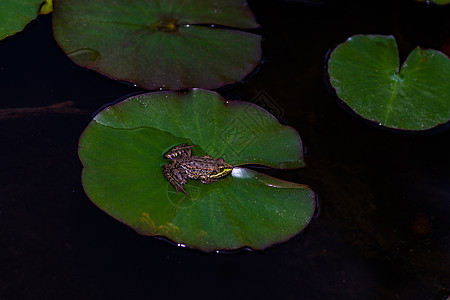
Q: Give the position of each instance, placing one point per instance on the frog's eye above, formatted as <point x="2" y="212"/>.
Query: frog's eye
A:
<point x="225" y="169"/>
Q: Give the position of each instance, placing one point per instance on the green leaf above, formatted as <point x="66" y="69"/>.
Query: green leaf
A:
<point x="122" y="154"/>
<point x="439" y="2"/>
<point x="160" y="44"/>
<point x="366" y="74"/>
<point x="14" y="15"/>
<point x="240" y="132"/>
<point x="46" y="8"/>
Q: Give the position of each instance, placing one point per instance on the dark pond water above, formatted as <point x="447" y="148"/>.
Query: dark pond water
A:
<point x="383" y="230"/>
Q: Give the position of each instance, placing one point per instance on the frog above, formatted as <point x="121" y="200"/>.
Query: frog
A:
<point x="184" y="165"/>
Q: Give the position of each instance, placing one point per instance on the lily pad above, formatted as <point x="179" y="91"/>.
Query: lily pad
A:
<point x="366" y="74"/>
<point x="160" y="44"/>
<point x="439" y="2"/>
<point x="14" y="15"/>
<point x="46" y="8"/>
<point x="122" y="154"/>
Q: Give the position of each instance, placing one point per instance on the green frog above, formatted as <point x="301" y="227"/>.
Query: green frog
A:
<point x="183" y="166"/>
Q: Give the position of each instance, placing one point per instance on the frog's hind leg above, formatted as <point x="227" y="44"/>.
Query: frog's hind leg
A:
<point x="182" y="150"/>
<point x="177" y="177"/>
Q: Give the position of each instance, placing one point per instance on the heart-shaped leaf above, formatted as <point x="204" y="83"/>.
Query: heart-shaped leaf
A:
<point x="122" y="154"/>
<point x="14" y="15"/>
<point x="160" y="44"/>
<point x="367" y="76"/>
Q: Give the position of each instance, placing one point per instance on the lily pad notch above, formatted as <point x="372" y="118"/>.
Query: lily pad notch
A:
<point x="244" y="209"/>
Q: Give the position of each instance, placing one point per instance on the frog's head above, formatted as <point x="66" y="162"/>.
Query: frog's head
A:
<point x="223" y="169"/>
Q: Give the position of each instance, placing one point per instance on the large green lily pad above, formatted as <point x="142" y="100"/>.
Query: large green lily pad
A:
<point x="14" y="15"/>
<point x="367" y="76"/>
<point x="122" y="154"/>
<point x="160" y="44"/>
